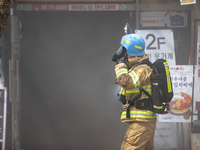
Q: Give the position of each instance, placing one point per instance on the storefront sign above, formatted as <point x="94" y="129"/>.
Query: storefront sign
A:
<point x="93" y="7"/>
<point x="127" y="6"/>
<point x="152" y="19"/>
<point x="175" y="19"/>
<point x="159" y="44"/>
<point x="49" y="7"/>
<point x="75" y="7"/>
<point x="170" y="19"/>
<point x="187" y="2"/>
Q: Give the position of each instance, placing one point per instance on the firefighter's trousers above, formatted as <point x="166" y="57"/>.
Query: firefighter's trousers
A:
<point x="139" y="136"/>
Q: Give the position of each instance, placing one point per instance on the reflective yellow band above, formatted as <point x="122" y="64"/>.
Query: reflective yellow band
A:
<point x="136" y="90"/>
<point x="147" y="88"/>
<point x="122" y="91"/>
<point x="157" y="107"/>
<point x="121" y="71"/>
<point x="135" y="79"/>
<point x="133" y="91"/>
<point x="169" y="87"/>
<point x="139" y="114"/>
<point x="138" y="47"/>
<point x="155" y="83"/>
<point x="126" y="41"/>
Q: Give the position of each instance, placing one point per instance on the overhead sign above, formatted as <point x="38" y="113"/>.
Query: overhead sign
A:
<point x="187" y="2"/>
<point x="93" y="7"/>
<point x="176" y="19"/>
<point x="74" y="7"/>
<point x="152" y="19"/>
<point x="159" y="44"/>
<point x="170" y="19"/>
<point x="47" y="7"/>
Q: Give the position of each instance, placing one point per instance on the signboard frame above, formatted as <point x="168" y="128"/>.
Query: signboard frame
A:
<point x="197" y="74"/>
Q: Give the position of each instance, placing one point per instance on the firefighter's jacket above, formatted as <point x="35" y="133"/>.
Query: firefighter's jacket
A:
<point x="4" y="13"/>
<point x="130" y="79"/>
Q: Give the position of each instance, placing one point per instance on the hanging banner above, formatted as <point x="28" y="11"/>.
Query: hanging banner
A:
<point x="197" y="73"/>
<point x="159" y="44"/>
<point x="181" y="104"/>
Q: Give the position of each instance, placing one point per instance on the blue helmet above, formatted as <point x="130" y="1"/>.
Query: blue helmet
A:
<point x="134" y="44"/>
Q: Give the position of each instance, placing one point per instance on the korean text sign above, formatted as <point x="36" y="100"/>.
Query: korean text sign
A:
<point x="159" y="44"/>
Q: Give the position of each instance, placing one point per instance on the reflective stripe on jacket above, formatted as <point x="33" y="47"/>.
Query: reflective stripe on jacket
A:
<point x="139" y="114"/>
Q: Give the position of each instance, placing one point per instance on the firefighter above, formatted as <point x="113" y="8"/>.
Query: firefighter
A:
<point x="4" y="13"/>
<point x="142" y="120"/>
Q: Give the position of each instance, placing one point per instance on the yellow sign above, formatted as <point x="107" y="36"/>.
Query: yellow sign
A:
<point x="187" y="1"/>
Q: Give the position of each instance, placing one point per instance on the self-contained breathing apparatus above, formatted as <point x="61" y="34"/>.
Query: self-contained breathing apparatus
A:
<point x="161" y="86"/>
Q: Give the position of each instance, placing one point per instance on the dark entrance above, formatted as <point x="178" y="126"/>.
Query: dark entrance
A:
<point x="68" y="93"/>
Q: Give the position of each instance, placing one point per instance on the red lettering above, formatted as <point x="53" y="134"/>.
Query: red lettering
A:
<point x="79" y="7"/>
<point x="89" y="7"/>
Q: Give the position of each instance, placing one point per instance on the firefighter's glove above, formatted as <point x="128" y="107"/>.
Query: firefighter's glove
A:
<point x="124" y="108"/>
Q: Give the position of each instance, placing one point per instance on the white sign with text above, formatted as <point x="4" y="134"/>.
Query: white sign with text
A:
<point x="159" y="44"/>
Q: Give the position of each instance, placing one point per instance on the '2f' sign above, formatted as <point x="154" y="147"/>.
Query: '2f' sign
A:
<point x="158" y="41"/>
